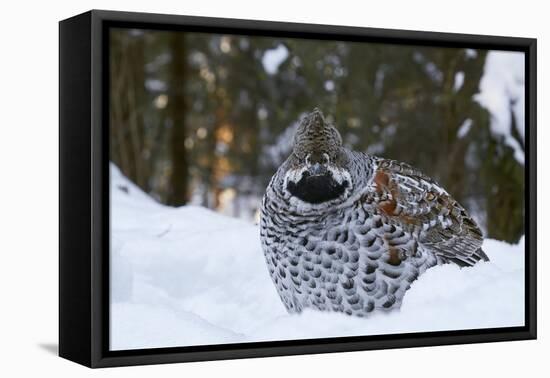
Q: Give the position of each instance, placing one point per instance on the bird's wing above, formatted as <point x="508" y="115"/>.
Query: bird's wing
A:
<point x="401" y="191"/>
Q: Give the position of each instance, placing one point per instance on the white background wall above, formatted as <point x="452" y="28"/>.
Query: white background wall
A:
<point x="29" y="188"/>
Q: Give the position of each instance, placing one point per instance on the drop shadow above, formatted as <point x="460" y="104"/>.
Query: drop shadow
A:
<point x="51" y="348"/>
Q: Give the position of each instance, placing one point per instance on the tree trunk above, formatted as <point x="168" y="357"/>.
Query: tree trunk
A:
<point x="177" y="111"/>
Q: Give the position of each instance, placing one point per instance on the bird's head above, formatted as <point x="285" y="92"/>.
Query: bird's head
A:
<point x="317" y="170"/>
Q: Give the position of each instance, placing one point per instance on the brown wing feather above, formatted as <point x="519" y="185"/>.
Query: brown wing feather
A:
<point x="415" y="199"/>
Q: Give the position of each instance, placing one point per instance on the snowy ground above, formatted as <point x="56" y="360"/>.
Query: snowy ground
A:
<point x="189" y="276"/>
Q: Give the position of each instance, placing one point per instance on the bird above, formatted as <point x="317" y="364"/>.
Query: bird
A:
<point x="345" y="231"/>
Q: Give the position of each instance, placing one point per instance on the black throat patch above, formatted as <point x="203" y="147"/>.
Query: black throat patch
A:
<point x="317" y="189"/>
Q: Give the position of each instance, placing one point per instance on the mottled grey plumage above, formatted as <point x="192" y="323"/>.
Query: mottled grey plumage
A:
<point x="345" y="231"/>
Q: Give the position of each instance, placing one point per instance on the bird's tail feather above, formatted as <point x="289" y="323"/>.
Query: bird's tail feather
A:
<point x="471" y="260"/>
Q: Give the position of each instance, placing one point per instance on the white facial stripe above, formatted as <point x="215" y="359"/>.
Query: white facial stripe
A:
<point x="339" y="175"/>
<point x="294" y="175"/>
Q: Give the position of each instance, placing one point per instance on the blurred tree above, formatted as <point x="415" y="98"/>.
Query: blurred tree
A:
<point x="127" y="99"/>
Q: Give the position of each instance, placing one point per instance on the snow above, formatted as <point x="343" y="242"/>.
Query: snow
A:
<point x="459" y="81"/>
<point x="155" y="85"/>
<point x="503" y="83"/>
<point x="464" y="128"/>
<point x="273" y="58"/>
<point x="471" y="53"/>
<point x="277" y="152"/>
<point x="329" y="85"/>
<point x="189" y="276"/>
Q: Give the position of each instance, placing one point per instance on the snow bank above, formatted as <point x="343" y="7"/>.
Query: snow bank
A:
<point x="189" y="276"/>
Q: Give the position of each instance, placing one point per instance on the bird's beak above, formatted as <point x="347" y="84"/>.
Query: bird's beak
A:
<point x="317" y="169"/>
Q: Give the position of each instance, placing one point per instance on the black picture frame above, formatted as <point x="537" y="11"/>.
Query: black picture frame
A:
<point x="84" y="188"/>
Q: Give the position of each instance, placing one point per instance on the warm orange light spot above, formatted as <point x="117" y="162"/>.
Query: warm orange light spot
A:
<point x="225" y="134"/>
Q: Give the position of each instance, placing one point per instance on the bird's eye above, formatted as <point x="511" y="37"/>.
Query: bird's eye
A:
<point x="326" y="158"/>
